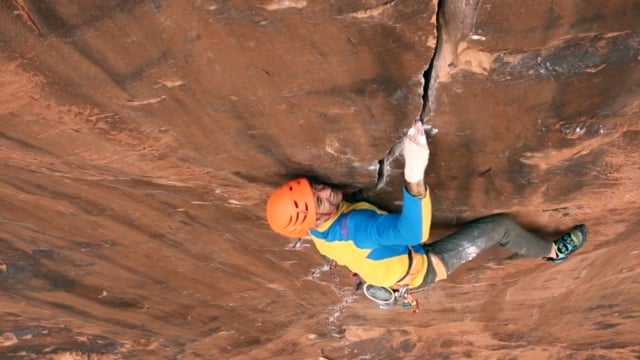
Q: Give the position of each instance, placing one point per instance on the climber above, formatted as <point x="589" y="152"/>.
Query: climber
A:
<point x="389" y="251"/>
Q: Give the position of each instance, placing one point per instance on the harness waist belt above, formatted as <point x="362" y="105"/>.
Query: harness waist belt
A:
<point x="418" y="266"/>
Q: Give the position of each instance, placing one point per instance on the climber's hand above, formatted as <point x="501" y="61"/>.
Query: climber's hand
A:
<point x="416" y="153"/>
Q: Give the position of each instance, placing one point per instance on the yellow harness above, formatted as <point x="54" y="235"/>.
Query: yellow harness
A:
<point x="418" y="266"/>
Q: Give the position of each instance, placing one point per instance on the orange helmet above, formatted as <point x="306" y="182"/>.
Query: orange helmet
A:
<point x="291" y="209"/>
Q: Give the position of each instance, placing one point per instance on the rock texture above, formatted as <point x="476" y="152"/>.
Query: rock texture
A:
<point x="140" y="139"/>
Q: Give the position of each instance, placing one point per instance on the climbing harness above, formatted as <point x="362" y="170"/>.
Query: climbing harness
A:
<point x="417" y="266"/>
<point x="439" y="269"/>
<point x="387" y="297"/>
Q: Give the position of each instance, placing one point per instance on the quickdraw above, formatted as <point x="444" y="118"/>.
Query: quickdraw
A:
<point x="408" y="301"/>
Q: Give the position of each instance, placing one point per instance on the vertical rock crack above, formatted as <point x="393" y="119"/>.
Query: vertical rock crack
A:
<point x="396" y="147"/>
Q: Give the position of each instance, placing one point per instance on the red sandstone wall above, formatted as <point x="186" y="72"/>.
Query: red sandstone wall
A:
<point x="138" y="141"/>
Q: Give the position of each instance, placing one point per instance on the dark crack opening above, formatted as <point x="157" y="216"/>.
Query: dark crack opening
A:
<point x="396" y="147"/>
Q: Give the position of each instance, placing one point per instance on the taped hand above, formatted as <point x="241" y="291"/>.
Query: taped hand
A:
<point x="416" y="153"/>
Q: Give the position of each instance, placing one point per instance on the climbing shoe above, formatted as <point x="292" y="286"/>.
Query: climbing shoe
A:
<point x="569" y="243"/>
<point x="384" y="297"/>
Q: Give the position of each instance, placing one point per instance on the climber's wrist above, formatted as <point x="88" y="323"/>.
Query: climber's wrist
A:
<point x="416" y="189"/>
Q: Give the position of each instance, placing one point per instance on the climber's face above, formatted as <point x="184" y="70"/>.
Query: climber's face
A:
<point x="327" y="201"/>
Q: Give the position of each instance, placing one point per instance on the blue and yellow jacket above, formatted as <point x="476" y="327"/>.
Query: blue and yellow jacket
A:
<point x="374" y="243"/>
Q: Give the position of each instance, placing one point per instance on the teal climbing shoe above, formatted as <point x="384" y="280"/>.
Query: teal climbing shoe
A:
<point x="569" y="243"/>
